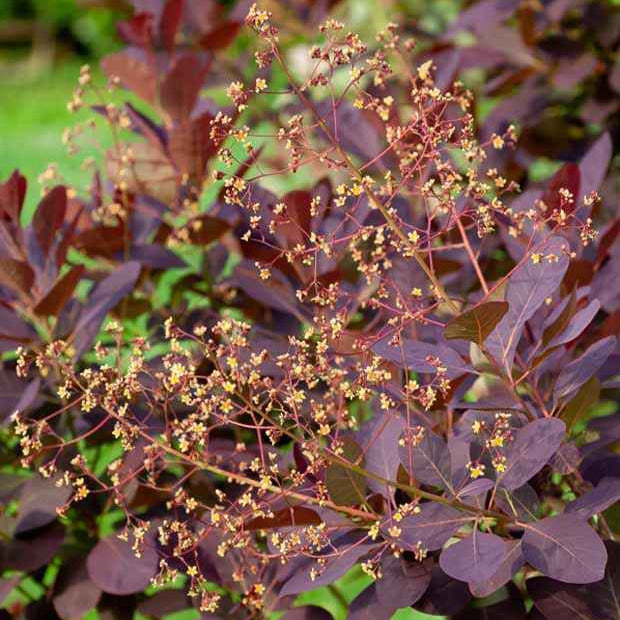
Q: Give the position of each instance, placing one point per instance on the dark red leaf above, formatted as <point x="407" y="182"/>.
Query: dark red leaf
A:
<point x="221" y="36"/>
<point x="180" y="88"/>
<point x="60" y="293"/>
<point x="476" y="324"/>
<point x="206" y="228"/>
<point x="138" y="30"/>
<point x="528" y="287"/>
<point x="49" y="217"/>
<point x="134" y="72"/>
<point x="191" y="146"/>
<point x="16" y="275"/>
<point x="295" y="516"/>
<point x="12" y="194"/>
<point x="170" y="22"/>
<point x="164" y="603"/>
<point x="568" y="177"/>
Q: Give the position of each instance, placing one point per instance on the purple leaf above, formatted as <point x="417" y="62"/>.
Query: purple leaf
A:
<point x="156" y="257"/>
<point x="32" y="549"/>
<point x="511" y="562"/>
<point x="366" y="606"/>
<point x="575" y="374"/>
<point x="349" y="549"/>
<point x="606" y="493"/>
<point x="402" y="582"/>
<point x="415" y="355"/>
<point x="445" y="596"/>
<point x="521" y="503"/>
<point x="102" y="299"/>
<point x="593" y="166"/>
<point x="533" y="446"/>
<point x="565" y="548"/>
<point x="511" y="608"/>
<point x="566" y="460"/>
<point x="113" y="566"/>
<point x="559" y="601"/>
<point x="475" y="558"/>
<point x="39" y="499"/>
<point x="485" y="13"/>
<point x="432" y="526"/>
<point x="74" y="593"/>
<point x="426" y="459"/>
<point x="528" y="287"/>
<point x="308" y="612"/>
<point x="165" y="602"/>
<point x="577" y="324"/>
<point x="276" y="293"/>
<point x="382" y="450"/>
<point x="355" y="130"/>
<point x="476" y="487"/>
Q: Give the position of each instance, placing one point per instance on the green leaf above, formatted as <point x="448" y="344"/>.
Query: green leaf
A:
<point x="476" y="324"/>
<point x="346" y="487"/>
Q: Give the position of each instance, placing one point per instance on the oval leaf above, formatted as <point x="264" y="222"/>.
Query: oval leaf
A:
<point x="431" y="527"/>
<point x="113" y="566"/>
<point x="474" y="558"/>
<point x="565" y="548"/>
<point x="476" y="324"/>
<point x="346" y="487"/>
<point x="533" y="446"/>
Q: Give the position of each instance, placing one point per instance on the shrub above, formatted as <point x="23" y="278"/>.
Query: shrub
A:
<point x="334" y="334"/>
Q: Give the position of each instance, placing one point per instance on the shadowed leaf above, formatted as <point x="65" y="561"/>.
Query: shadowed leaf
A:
<point x="74" y="593"/>
<point x="476" y="324"/>
<point x="346" y="487"/>
<point x="580" y="370"/>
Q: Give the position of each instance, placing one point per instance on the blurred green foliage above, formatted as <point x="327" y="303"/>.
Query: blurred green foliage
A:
<point x="89" y="32"/>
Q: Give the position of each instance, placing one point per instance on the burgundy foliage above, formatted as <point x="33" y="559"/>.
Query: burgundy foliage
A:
<point x="404" y="366"/>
